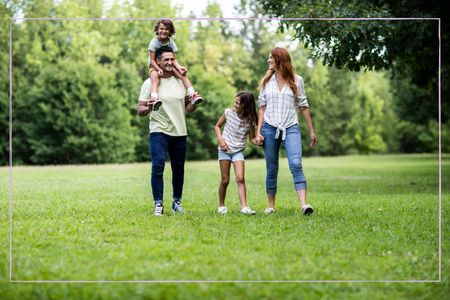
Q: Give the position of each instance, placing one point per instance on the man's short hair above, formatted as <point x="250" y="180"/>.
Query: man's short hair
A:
<point x="162" y="50"/>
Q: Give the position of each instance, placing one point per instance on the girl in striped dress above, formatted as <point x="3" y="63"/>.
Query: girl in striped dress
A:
<point x="238" y="122"/>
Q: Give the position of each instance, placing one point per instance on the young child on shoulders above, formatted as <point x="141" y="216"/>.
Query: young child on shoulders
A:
<point x="238" y="122"/>
<point x="164" y="29"/>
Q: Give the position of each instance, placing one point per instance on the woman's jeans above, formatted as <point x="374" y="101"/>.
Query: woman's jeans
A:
<point x="293" y="146"/>
<point x="175" y="146"/>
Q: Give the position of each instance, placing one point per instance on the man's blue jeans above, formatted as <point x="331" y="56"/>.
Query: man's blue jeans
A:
<point x="293" y="146"/>
<point x="162" y="144"/>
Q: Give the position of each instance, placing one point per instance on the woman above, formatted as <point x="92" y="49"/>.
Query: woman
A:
<point x="281" y="95"/>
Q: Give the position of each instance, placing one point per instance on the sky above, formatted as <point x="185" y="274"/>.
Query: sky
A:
<point x="198" y="7"/>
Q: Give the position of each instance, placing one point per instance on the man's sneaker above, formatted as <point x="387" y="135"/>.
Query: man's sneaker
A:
<point x="156" y="104"/>
<point x="248" y="211"/>
<point x="222" y="210"/>
<point x="269" y="210"/>
<point x="159" y="210"/>
<point x="307" y="209"/>
<point x="176" y="207"/>
<point x="196" y="99"/>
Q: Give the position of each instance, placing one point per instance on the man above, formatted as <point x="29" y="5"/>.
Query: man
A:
<point x="168" y="132"/>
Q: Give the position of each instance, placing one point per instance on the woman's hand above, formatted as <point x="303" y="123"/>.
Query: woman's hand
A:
<point x="313" y="138"/>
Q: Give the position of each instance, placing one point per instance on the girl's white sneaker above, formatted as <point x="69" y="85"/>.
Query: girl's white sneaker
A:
<point x="222" y="210"/>
<point x="248" y="211"/>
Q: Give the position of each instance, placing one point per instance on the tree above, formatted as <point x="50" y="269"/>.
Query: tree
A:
<point x="252" y="43"/>
<point x="76" y="83"/>
<point x="5" y="14"/>
<point x="409" y="49"/>
<point x="350" y="110"/>
<point x="82" y="118"/>
<point x="68" y="104"/>
<point x="209" y="59"/>
<point x="131" y="39"/>
<point x="393" y="45"/>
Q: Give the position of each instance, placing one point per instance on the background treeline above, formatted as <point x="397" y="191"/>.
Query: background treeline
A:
<point x="76" y="83"/>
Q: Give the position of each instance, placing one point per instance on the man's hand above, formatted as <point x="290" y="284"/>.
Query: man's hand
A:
<point x="144" y="107"/>
<point x="188" y="105"/>
<point x="151" y="101"/>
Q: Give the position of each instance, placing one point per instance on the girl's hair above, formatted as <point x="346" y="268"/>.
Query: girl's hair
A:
<point x="283" y="66"/>
<point x="248" y="108"/>
<point x="166" y="22"/>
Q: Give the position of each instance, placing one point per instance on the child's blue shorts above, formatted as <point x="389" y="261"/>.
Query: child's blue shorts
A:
<point x="235" y="156"/>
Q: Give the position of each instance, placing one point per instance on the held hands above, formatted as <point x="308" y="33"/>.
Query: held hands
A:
<point x="258" y="139"/>
<point x="187" y="100"/>
<point x="160" y="73"/>
<point x="313" y="138"/>
<point x="144" y="108"/>
<point x="151" y="101"/>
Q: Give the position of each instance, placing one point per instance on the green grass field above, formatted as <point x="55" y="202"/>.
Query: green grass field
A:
<point x="376" y="219"/>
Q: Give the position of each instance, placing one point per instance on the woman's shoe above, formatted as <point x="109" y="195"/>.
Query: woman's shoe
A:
<point x="307" y="209"/>
<point x="269" y="210"/>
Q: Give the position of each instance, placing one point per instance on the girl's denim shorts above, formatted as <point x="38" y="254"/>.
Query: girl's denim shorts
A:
<point x="235" y="156"/>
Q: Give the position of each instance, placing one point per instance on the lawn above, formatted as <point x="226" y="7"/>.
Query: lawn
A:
<point x="375" y="219"/>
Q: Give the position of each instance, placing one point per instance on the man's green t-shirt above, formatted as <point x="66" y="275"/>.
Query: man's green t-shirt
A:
<point x="170" y="118"/>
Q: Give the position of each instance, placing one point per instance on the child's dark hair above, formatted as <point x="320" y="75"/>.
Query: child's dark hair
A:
<point x="247" y="103"/>
<point x="166" y="22"/>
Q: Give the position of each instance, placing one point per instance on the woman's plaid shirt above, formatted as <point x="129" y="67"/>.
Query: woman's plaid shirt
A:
<point x="281" y="106"/>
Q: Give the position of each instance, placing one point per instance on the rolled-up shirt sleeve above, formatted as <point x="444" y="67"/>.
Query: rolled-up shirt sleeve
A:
<point x="302" y="100"/>
<point x="145" y="90"/>
<point x="262" y="99"/>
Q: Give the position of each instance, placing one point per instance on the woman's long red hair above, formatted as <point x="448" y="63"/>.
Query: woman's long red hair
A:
<point x="283" y="66"/>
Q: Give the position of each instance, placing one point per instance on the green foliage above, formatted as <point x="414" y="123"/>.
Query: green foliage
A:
<point x="421" y="137"/>
<point x="82" y="117"/>
<point x="368" y="137"/>
<point x="76" y="82"/>
<point x="210" y="70"/>
<point x="350" y="110"/>
<point x="7" y="10"/>
<point x="219" y="94"/>
<point x="4" y="87"/>
<point x="414" y="103"/>
<point x="409" y="49"/>
<point x="103" y="62"/>
<point x="363" y="44"/>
